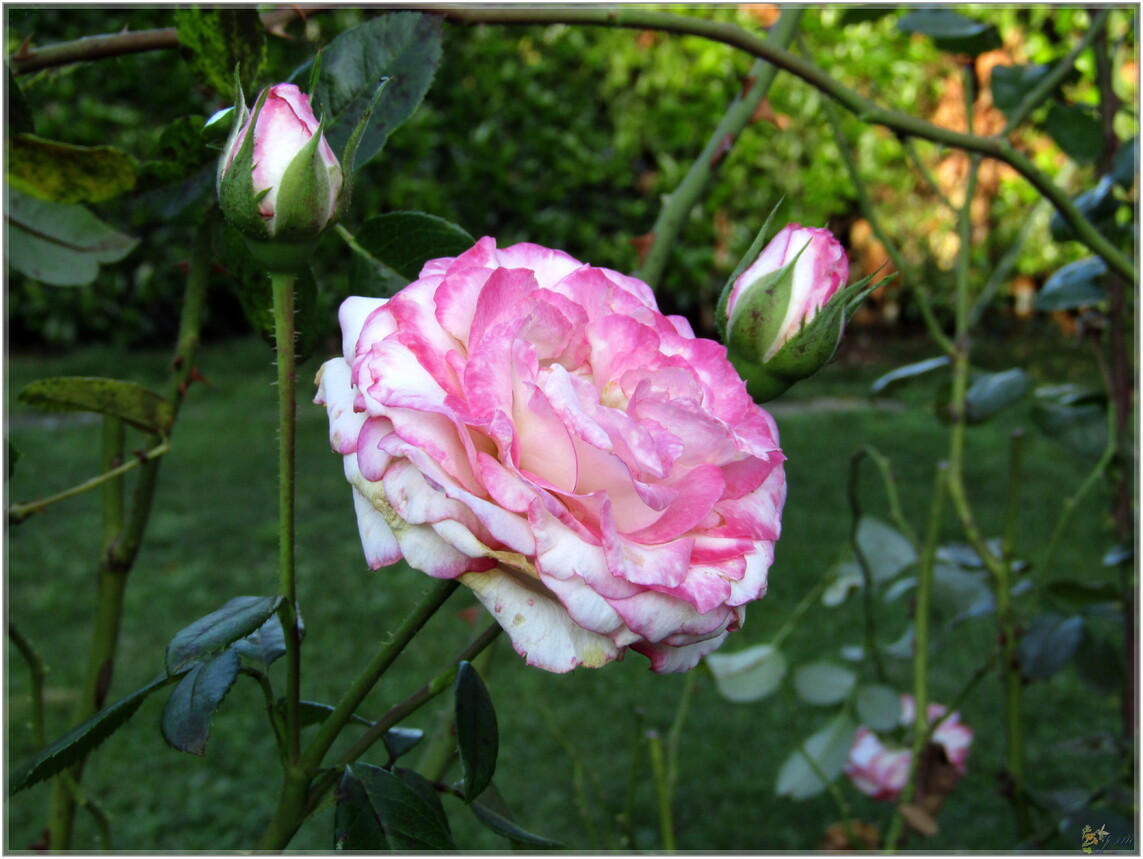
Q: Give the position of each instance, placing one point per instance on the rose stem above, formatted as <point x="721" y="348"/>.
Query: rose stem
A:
<point x="283" y="290"/>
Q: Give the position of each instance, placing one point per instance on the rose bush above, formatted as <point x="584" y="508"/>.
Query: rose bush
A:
<point x="535" y="427"/>
<point x="880" y="771"/>
<point x="278" y="178"/>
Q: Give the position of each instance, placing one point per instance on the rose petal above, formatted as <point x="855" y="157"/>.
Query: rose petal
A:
<point x="538" y="624"/>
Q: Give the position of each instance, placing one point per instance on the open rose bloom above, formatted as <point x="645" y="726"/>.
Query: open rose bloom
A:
<point x="880" y="771"/>
<point x="535" y="427"/>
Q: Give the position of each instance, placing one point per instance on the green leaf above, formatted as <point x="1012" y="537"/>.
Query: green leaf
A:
<point x="1078" y="595"/>
<point x="861" y="14"/>
<point x="1126" y="166"/>
<point x="266" y="644"/>
<point x="1077" y="130"/>
<point x="189" y="710"/>
<point x="907" y="373"/>
<point x="886" y="550"/>
<point x="824" y="683"/>
<point x="68" y="174"/>
<point x="846" y="580"/>
<point x="879" y="707"/>
<point x="991" y="393"/>
<point x="425" y="789"/>
<point x="1051" y="641"/>
<point x="477" y="736"/>
<point x="951" y="31"/>
<point x="179" y="200"/>
<point x="398" y="741"/>
<point x="219" y="39"/>
<point x="13" y="458"/>
<point x="1011" y="84"/>
<point x="404" y="46"/>
<point x="1077" y="284"/>
<point x="1099" y="661"/>
<point x="1098" y="205"/>
<point x="181" y="151"/>
<point x="828" y="748"/>
<point x="314" y="713"/>
<point x="131" y="403"/>
<point x="60" y="244"/>
<point x="20" y="118"/>
<point x="405" y="241"/>
<point x="356" y="824"/>
<point x="77" y="743"/>
<point x="1121" y="553"/>
<point x="207" y="635"/>
<point x="1073" y="418"/>
<point x="961" y="594"/>
<point x="748" y="675"/>
<point x="492" y="811"/>
<point x="409" y="820"/>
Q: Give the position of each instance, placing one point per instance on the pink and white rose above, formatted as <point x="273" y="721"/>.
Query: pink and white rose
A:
<point x="535" y="427"/>
<point x="880" y="770"/>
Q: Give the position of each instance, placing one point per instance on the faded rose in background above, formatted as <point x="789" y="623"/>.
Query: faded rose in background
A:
<point x="881" y="771"/>
<point x="598" y="476"/>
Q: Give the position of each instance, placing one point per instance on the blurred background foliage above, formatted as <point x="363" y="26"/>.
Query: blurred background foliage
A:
<point x="570" y="136"/>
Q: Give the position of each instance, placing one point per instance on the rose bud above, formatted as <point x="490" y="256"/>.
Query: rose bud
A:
<point x="537" y="429"/>
<point x="279" y="182"/>
<point x="784" y="315"/>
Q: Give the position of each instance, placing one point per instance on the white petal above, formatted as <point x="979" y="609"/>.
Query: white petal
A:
<point x="352" y="315"/>
<point x="539" y="626"/>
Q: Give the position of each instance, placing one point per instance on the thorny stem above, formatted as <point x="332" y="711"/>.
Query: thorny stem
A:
<point x="679" y="203"/>
<point x="1060" y="70"/>
<point x="29" y="59"/>
<point x="865" y="109"/>
<point x="868" y="605"/>
<point x="17" y="513"/>
<point x="996" y="565"/>
<point x="123" y="535"/>
<point x="662" y="790"/>
<point x="39" y="671"/>
<point x="283" y="291"/>
<point x="292" y="800"/>
<point x="289" y="817"/>
<point x="911" y="281"/>
<point x="1121" y="387"/>
<point x="921" y="617"/>
<point x="414" y="702"/>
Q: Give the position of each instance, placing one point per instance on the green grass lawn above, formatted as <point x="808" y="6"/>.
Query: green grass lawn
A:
<point x="567" y="741"/>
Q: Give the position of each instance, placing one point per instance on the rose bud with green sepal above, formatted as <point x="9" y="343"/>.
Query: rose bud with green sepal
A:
<point x="783" y="316"/>
<point x="279" y="182"/>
